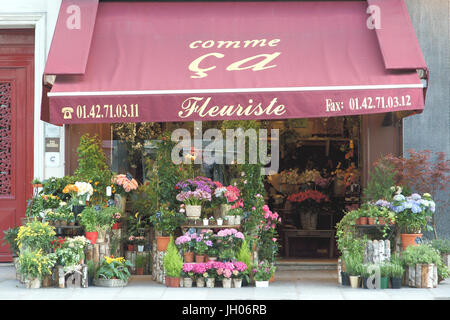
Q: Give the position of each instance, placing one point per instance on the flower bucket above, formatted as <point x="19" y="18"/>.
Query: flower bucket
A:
<point x="396" y="283"/>
<point x="140" y="271"/>
<point x="47" y="281"/>
<point x="140" y="248"/>
<point x="193" y="212"/>
<point x="92" y="236"/>
<point x="187" y="282"/>
<point x="205" y="222"/>
<point x="130" y="247"/>
<point x="162" y="243"/>
<point x="224" y="208"/>
<point x="384" y="282"/>
<point x="308" y="220"/>
<point x="410" y="239"/>
<point x="261" y="284"/>
<point x="226" y="282"/>
<point x="188" y="257"/>
<point x="237" y="283"/>
<point x="77" y="210"/>
<point x="200" y="282"/>
<point x="210" y="282"/>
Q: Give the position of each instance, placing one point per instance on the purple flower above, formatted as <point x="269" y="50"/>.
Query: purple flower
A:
<point x="209" y="243"/>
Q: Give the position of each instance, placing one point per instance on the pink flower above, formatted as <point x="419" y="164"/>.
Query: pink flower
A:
<point x="188" y="267"/>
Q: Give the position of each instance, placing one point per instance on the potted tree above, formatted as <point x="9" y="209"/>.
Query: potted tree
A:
<point x="166" y="222"/>
<point x="173" y="265"/>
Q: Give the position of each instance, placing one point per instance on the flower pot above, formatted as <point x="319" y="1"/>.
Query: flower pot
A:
<point x="63" y="223"/>
<point x="224" y="208"/>
<point x="140" y="271"/>
<point x="345" y="278"/>
<point x="261" y="284"/>
<point x="354" y="281"/>
<point x="384" y="282"/>
<point x="237" y="283"/>
<point x="362" y="220"/>
<point x="101" y="236"/>
<point x="371" y="220"/>
<point x="120" y="202"/>
<point x="92" y="236"/>
<point x="205" y="222"/>
<point x="364" y="282"/>
<point x="77" y="210"/>
<point x="193" y="212"/>
<point x="117" y="226"/>
<point x="237" y="220"/>
<point x="230" y="220"/>
<point x="410" y="239"/>
<point x="162" y="243"/>
<point x="173" y="282"/>
<point x="140" y="248"/>
<point x="34" y="283"/>
<point x="381" y="221"/>
<point x="210" y="282"/>
<point x="226" y="282"/>
<point x="219" y="222"/>
<point x="358" y="221"/>
<point x="188" y="257"/>
<point x="396" y="283"/>
<point x="110" y="283"/>
<point x="187" y="282"/>
<point x="308" y="220"/>
<point x="200" y="282"/>
<point x="199" y="258"/>
<point x="130" y="247"/>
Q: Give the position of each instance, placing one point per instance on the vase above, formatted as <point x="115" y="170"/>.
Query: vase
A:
<point x="187" y="282"/>
<point x="92" y="236"/>
<point x="140" y="248"/>
<point x="188" y="257"/>
<point x="162" y="243"/>
<point x="200" y="282"/>
<point x="237" y="283"/>
<point x="230" y="220"/>
<point x="34" y="283"/>
<point x="226" y="282"/>
<point x="120" y="201"/>
<point x="199" y="258"/>
<point x="210" y="282"/>
<point x="354" y="282"/>
<point x="224" y="208"/>
<point x="308" y="220"/>
<point x="381" y="220"/>
<point x="193" y="212"/>
<point x="410" y="239"/>
<point x="110" y="283"/>
<point x="101" y="238"/>
<point x="261" y="284"/>
<point x="237" y="220"/>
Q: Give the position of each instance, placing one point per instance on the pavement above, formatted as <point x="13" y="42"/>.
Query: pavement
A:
<point x="288" y="285"/>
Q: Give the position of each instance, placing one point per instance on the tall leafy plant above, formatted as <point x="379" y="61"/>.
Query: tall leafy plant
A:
<point x="173" y="262"/>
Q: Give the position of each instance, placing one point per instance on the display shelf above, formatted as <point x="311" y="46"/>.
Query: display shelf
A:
<point x="214" y="226"/>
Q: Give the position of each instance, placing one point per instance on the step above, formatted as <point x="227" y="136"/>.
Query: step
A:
<point x="306" y="264"/>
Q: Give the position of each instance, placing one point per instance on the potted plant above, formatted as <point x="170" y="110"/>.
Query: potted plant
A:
<point x="353" y="266"/>
<point x="166" y="222"/>
<point x="396" y="272"/>
<point x="226" y="275"/>
<point x="194" y="192"/>
<point x="187" y="273"/>
<point x="9" y="238"/>
<point x="244" y="255"/>
<point x="185" y="244"/>
<point x="211" y="220"/>
<point x="88" y="219"/>
<point x="200" y="274"/>
<point x="35" y="235"/>
<point x="34" y="265"/>
<point x="173" y="265"/>
<point x="211" y="274"/>
<point x="238" y="273"/>
<point x="308" y="204"/>
<point x="212" y="253"/>
<point x="36" y="183"/>
<point x="130" y="243"/>
<point x="262" y="274"/>
<point x="385" y="269"/>
<point x="443" y="246"/>
<point x="225" y="197"/>
<point x="140" y="241"/>
<point x="219" y="221"/>
<point x="205" y="221"/>
<point x="237" y="212"/>
<point x="80" y="192"/>
<point x="113" y="272"/>
<point x="413" y="214"/>
<point x="200" y="248"/>
<point x="140" y="264"/>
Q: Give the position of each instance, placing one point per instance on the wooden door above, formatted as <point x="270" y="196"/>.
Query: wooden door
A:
<point x="16" y="127"/>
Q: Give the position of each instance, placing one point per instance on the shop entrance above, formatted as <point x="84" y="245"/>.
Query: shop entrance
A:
<point x="16" y="127"/>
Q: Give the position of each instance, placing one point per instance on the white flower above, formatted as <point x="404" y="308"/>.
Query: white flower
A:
<point x="84" y="188"/>
<point x="242" y="173"/>
<point x="245" y="181"/>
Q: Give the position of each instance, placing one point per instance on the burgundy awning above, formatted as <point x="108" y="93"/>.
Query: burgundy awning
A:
<point x="160" y="62"/>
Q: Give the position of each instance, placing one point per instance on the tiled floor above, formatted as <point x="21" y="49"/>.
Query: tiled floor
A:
<point x="288" y="285"/>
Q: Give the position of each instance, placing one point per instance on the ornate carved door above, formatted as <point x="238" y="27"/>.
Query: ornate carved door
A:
<point x="16" y="127"/>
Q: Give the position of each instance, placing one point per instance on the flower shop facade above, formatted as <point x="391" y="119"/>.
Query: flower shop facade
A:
<point x="328" y="84"/>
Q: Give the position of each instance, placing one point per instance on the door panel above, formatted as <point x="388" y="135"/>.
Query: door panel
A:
<point x="16" y="130"/>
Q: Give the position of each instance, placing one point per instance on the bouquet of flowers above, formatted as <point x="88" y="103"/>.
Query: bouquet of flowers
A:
<point x="309" y="176"/>
<point x="413" y="212"/>
<point x="125" y="183"/>
<point x="228" y="194"/>
<point x="195" y="191"/>
<point x="80" y="192"/>
<point x="308" y="199"/>
<point x="290" y="176"/>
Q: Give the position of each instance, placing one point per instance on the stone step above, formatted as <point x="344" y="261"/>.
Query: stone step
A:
<point x="303" y="265"/>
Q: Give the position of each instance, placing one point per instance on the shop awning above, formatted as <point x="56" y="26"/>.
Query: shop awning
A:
<point x="158" y="62"/>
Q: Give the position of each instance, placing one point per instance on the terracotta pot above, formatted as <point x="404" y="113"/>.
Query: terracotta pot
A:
<point x="173" y="282"/>
<point x="358" y="221"/>
<point x="92" y="236"/>
<point x="363" y="220"/>
<point x="199" y="258"/>
<point x="410" y="239"/>
<point x="381" y="220"/>
<point x="140" y="271"/>
<point x="162" y="243"/>
<point x="130" y="247"/>
<point x="188" y="257"/>
<point x="371" y="220"/>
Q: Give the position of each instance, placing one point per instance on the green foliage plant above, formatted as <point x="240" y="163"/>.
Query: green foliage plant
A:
<point x="89" y="219"/>
<point x="35" y="263"/>
<point x="10" y="236"/>
<point x="173" y="262"/>
<point x="381" y="178"/>
<point x="114" y="268"/>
